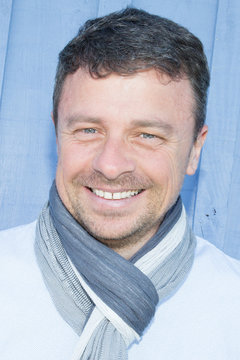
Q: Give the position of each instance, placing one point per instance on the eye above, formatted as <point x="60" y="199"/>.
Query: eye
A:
<point x="148" y="139"/>
<point x="86" y="134"/>
<point x="89" y="131"/>
<point x="147" y="136"/>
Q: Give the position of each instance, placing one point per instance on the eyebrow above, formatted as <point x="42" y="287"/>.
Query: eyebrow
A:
<point x="75" y="119"/>
<point x="158" y="123"/>
<point x="144" y="123"/>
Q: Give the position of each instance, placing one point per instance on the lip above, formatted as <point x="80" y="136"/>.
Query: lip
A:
<point x="102" y="203"/>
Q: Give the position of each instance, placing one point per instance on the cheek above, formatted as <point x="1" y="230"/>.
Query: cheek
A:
<point x="73" y="159"/>
<point x="161" y="167"/>
<point x="168" y="171"/>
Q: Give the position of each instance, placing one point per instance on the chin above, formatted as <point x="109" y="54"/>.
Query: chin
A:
<point x="113" y="234"/>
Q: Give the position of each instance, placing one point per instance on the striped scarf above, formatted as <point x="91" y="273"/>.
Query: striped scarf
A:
<point x="108" y="300"/>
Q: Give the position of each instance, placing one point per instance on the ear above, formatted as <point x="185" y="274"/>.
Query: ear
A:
<point x="55" y="130"/>
<point x="196" y="151"/>
<point x="53" y="120"/>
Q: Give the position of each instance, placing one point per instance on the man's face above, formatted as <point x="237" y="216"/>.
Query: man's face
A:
<point x="124" y="146"/>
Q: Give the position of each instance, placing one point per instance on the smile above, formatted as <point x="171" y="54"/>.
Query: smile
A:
<point x="115" y="195"/>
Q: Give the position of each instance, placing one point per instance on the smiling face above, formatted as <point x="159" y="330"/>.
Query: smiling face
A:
<point x="124" y="146"/>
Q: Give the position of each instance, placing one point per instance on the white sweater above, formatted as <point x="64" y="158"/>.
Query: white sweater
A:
<point x="201" y="321"/>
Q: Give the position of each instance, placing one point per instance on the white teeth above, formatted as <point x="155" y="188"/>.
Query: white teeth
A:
<point x="100" y="193"/>
<point x="107" y="195"/>
<point x="116" y="196"/>
<point x="123" y="195"/>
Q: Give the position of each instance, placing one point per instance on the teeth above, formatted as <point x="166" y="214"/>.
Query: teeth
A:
<point x="107" y="195"/>
<point x="116" y="196"/>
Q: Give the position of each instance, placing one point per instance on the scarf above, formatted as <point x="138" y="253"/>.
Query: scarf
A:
<point x="108" y="300"/>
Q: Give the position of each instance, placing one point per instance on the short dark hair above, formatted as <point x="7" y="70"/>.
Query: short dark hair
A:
<point x="131" y="40"/>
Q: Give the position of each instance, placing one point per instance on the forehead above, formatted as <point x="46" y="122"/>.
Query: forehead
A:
<point x="144" y="95"/>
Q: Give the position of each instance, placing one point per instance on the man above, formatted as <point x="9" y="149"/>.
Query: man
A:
<point x="111" y="269"/>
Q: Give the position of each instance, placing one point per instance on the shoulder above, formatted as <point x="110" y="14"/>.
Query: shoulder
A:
<point x="20" y="277"/>
<point x="17" y="243"/>
<point x="210" y="257"/>
<point x="18" y="231"/>
<point x="215" y="278"/>
<point x="212" y="286"/>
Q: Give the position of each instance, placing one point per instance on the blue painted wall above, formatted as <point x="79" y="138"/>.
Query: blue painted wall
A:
<point x="31" y="35"/>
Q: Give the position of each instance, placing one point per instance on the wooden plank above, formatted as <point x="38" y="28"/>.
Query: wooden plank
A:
<point x="216" y="215"/>
<point x="5" y="20"/>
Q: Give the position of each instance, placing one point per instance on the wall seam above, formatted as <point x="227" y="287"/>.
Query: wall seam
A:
<point x="6" y="56"/>
<point x="210" y="68"/>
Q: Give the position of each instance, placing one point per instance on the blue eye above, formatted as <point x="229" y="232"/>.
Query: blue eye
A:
<point x="89" y="131"/>
<point x="147" y="136"/>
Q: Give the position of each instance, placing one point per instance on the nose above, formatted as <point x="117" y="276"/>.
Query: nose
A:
<point x="114" y="159"/>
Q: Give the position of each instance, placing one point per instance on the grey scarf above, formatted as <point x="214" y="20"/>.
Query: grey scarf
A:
<point x="107" y="300"/>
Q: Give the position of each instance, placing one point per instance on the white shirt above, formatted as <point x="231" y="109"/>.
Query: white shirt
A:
<point x="201" y="321"/>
